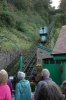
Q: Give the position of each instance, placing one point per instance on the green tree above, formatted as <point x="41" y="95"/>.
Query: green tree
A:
<point x="41" y="4"/>
<point x="22" y="4"/>
<point x="63" y="5"/>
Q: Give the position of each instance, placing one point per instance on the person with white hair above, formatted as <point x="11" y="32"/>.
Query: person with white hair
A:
<point x="23" y="89"/>
<point x="5" y="93"/>
<point x="46" y="77"/>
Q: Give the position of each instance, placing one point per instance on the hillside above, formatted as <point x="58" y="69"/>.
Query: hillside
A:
<point x="20" y="21"/>
<point x="19" y="27"/>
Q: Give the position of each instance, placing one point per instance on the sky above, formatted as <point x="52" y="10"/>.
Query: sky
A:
<point x="55" y="3"/>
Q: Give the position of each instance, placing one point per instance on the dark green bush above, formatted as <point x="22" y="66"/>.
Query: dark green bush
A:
<point x="19" y="26"/>
<point x="1" y="24"/>
<point x="7" y="18"/>
<point x="20" y="4"/>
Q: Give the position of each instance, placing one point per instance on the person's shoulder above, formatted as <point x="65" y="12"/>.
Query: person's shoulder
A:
<point x="18" y="83"/>
<point x="40" y="82"/>
<point x="27" y="81"/>
<point x="6" y="87"/>
<point x="45" y="80"/>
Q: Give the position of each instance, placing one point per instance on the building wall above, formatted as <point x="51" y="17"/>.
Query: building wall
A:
<point x="63" y="70"/>
<point x="41" y="54"/>
<point x="55" y="73"/>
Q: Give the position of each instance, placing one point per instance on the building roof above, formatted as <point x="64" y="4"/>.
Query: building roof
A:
<point x="46" y="57"/>
<point x="60" y="46"/>
<point x="44" y="48"/>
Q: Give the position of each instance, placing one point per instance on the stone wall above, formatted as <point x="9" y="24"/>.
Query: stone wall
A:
<point x="6" y="58"/>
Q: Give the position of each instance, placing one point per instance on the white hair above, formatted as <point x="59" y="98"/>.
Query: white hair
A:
<point x="45" y="73"/>
<point x="20" y="75"/>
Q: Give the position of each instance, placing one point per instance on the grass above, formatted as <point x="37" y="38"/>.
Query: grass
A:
<point x="22" y="41"/>
<point x="24" y="32"/>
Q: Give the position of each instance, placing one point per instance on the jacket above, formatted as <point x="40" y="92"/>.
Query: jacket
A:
<point x="23" y="90"/>
<point x="5" y="93"/>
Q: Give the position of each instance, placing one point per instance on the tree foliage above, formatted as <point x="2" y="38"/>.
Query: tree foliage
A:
<point x="63" y="5"/>
<point x="6" y="18"/>
<point x="26" y="4"/>
<point x="22" y="4"/>
<point x="41" y="4"/>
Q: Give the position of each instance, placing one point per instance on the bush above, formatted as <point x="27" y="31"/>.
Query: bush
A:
<point x="7" y="18"/>
<point x="19" y="26"/>
<point x="21" y="4"/>
<point x="1" y="24"/>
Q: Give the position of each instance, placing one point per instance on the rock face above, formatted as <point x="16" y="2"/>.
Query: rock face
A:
<point x="6" y="58"/>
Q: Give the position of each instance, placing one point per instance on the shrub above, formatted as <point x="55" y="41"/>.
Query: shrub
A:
<point x="7" y="18"/>
<point x="19" y="26"/>
<point x="21" y="4"/>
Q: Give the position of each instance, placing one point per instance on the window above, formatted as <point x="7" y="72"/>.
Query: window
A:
<point x="46" y="61"/>
<point x="52" y="61"/>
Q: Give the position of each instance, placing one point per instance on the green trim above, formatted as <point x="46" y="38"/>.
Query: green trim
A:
<point x="59" y="57"/>
<point x="44" y="48"/>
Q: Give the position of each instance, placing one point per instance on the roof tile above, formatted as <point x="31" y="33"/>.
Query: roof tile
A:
<point x="60" y="46"/>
